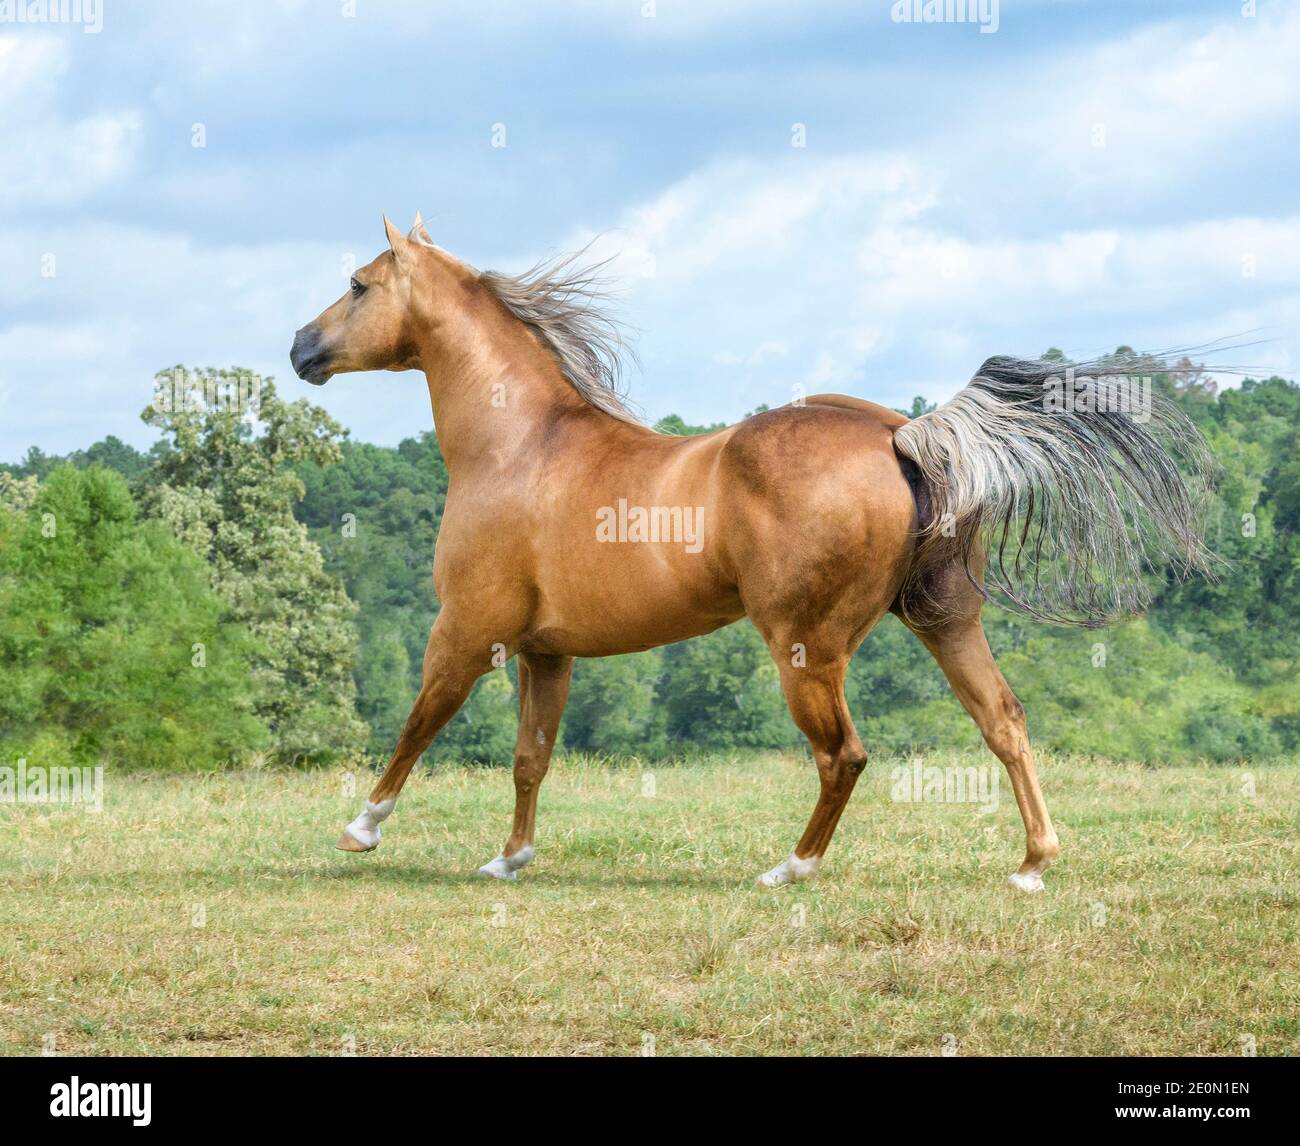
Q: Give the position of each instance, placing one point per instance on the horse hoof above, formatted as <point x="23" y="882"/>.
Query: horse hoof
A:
<point x="349" y="843"/>
<point x="507" y="867"/>
<point x="362" y="835"/>
<point x="1026" y="881"/>
<point x="788" y="871"/>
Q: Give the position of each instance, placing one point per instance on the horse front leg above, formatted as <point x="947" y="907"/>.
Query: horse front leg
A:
<point x="543" y="690"/>
<point x="451" y="666"/>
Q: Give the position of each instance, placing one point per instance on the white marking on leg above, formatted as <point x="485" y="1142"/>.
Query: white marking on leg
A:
<point x="789" y="871"/>
<point x="507" y="867"/>
<point x="365" y="828"/>
<point x="1026" y="880"/>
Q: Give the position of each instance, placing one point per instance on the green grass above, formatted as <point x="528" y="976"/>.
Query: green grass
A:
<point x="1168" y="928"/>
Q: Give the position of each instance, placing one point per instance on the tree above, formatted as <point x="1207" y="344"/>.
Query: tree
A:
<point x="111" y="453"/>
<point x="114" y="454"/>
<point x="673" y="424"/>
<point x="228" y="492"/>
<point x="614" y="706"/>
<point x="919" y="406"/>
<point x="113" y="649"/>
<point x="724" y="691"/>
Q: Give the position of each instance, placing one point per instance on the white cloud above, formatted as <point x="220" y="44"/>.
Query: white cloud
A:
<point x="1131" y="120"/>
<point x="855" y="264"/>
<point x="46" y="160"/>
<point x="996" y="227"/>
<point x="828" y="267"/>
<point x="127" y="302"/>
<point x="29" y="70"/>
<point x="756" y="357"/>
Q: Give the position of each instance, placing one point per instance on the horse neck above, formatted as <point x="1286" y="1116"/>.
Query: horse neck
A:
<point x="492" y="387"/>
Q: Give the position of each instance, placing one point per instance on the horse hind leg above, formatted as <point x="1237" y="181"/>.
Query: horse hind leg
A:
<point x="963" y="653"/>
<point x="816" y="700"/>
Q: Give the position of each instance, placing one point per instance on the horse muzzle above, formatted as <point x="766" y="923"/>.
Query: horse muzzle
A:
<point x="309" y="357"/>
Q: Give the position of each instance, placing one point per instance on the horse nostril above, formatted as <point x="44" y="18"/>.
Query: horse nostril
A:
<point x="309" y="356"/>
<point x="305" y="345"/>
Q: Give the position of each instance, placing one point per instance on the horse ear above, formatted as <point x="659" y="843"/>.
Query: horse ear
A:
<point x="419" y="233"/>
<point x="397" y="241"/>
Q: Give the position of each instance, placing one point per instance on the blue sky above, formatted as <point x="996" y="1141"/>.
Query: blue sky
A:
<point x="1088" y="174"/>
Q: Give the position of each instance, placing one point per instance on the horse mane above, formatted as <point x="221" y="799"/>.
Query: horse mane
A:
<point x="565" y="303"/>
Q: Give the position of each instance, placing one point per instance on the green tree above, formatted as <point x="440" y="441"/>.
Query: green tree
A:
<point x="919" y="406"/>
<point x="113" y="648"/>
<point x="225" y="484"/>
<point x="724" y="691"/>
<point x="614" y="706"/>
<point x="673" y="424"/>
<point x="111" y="453"/>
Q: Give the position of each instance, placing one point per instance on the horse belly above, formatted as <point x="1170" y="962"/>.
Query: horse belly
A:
<point x="630" y="605"/>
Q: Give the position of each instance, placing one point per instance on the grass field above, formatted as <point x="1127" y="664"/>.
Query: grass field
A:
<point x="1168" y="928"/>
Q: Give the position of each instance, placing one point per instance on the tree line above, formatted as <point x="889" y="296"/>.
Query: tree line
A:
<point x="260" y="588"/>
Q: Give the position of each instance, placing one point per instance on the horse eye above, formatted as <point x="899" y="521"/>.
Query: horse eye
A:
<point x="357" y="288"/>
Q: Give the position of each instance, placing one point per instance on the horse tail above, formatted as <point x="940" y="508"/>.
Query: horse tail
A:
<point x="1068" y="481"/>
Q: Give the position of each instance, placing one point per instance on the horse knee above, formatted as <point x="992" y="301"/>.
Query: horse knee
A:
<point x="530" y="771"/>
<point x="527" y="780"/>
<point x="1013" y="710"/>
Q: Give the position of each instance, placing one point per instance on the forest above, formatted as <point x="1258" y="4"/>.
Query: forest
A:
<point x="259" y="589"/>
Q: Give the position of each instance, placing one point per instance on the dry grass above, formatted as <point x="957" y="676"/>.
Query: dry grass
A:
<point x="1169" y="927"/>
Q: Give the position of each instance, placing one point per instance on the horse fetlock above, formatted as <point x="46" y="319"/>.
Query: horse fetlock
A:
<point x="363" y="834"/>
<point x="1040" y="853"/>
<point x="1038" y="856"/>
<point x="507" y="867"/>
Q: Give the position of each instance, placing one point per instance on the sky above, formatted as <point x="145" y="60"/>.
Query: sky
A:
<point x="797" y="195"/>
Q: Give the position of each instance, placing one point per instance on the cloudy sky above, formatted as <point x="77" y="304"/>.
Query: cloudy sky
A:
<point x="1088" y="174"/>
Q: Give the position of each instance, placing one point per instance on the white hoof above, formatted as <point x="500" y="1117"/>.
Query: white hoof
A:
<point x="364" y="830"/>
<point x="507" y="867"/>
<point x="1026" y="881"/>
<point x="788" y="871"/>
<point x="367" y="838"/>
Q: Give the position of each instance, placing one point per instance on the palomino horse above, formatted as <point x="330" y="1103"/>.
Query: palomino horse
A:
<point x="813" y="520"/>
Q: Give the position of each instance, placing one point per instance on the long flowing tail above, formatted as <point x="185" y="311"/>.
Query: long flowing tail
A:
<point x="1069" y="480"/>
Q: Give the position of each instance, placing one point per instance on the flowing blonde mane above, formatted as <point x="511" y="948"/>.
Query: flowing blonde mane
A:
<point x="566" y="304"/>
